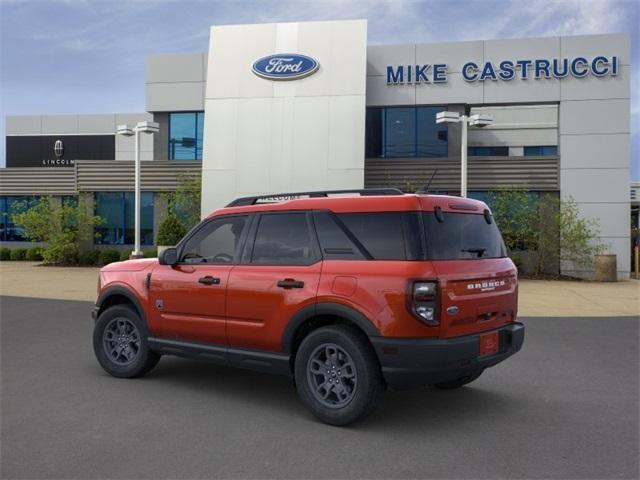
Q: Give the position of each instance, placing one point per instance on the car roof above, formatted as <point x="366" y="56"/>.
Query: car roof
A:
<point x="370" y="203"/>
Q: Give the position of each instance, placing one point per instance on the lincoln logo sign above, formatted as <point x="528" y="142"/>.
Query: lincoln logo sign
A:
<point x="506" y="70"/>
<point x="284" y="66"/>
<point x="58" y="148"/>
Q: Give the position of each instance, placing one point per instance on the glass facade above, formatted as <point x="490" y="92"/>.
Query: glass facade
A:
<point x="117" y="212"/>
<point x="401" y="132"/>
<point x="10" y="205"/>
<point x="185" y="135"/>
<point x="541" y="151"/>
<point x="488" y="151"/>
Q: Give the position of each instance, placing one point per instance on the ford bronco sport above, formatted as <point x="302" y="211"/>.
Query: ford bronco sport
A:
<point x="347" y="292"/>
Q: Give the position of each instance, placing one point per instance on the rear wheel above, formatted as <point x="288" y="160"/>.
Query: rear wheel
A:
<point x="120" y="343"/>
<point x="337" y="375"/>
<point x="459" y="382"/>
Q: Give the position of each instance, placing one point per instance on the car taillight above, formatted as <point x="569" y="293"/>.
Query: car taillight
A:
<point x="424" y="300"/>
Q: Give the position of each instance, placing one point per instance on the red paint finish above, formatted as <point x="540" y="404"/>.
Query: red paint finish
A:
<point x="247" y="308"/>
<point x="181" y="307"/>
<point x="258" y="310"/>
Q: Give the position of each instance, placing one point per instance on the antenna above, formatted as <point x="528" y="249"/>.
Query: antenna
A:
<point x="425" y="189"/>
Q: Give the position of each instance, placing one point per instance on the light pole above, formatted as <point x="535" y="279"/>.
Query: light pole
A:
<point x="478" y="120"/>
<point x="127" y="131"/>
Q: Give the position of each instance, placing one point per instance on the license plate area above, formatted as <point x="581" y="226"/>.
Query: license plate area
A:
<point x="489" y="344"/>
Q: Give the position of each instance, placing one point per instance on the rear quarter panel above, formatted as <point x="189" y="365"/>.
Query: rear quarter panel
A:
<point x="378" y="290"/>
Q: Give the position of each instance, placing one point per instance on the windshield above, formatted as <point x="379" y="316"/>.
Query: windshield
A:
<point x="462" y="236"/>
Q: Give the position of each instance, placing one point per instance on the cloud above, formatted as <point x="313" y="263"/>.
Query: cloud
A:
<point x="99" y="45"/>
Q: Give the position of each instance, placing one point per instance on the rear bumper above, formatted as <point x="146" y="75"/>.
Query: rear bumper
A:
<point x="408" y="363"/>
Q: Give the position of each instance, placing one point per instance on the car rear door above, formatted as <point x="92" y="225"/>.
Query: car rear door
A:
<point x="478" y="283"/>
<point x="278" y="275"/>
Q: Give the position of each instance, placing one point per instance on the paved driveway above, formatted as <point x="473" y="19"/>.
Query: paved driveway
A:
<point x="566" y="406"/>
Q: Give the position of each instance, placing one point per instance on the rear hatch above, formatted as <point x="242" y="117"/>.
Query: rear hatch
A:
<point x="477" y="282"/>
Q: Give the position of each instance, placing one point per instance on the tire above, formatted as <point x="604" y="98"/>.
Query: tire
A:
<point x="459" y="382"/>
<point x="131" y="358"/>
<point x="342" y="359"/>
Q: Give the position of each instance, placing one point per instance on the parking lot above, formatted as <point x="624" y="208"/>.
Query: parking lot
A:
<point x="566" y="406"/>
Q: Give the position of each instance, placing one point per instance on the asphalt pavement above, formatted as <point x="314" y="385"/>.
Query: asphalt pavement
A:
<point x="566" y="406"/>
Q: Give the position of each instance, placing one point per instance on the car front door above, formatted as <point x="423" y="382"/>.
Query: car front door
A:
<point x="278" y="275"/>
<point x="188" y="299"/>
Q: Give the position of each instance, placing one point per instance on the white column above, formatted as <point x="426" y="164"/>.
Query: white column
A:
<point x="463" y="157"/>
<point x="136" y="247"/>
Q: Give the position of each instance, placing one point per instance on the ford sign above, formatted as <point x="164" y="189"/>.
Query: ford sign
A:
<point x="284" y="66"/>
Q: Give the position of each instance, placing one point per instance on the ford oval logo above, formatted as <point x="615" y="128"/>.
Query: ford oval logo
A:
<point x="285" y="66"/>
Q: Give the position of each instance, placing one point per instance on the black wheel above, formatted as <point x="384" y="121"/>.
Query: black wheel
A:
<point x="459" y="382"/>
<point x="120" y="343"/>
<point x="337" y="375"/>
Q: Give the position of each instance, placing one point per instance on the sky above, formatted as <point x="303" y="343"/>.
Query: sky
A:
<point x="87" y="56"/>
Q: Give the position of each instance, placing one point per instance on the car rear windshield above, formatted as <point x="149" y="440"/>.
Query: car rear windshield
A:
<point x="458" y="236"/>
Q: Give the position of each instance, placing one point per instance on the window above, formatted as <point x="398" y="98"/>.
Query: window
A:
<point x="185" y="135"/>
<point x="9" y="206"/>
<point x="397" y="132"/>
<point x="541" y="151"/>
<point x="386" y="236"/>
<point x="432" y="137"/>
<point x="374" y="133"/>
<point x="462" y="236"/>
<point x="283" y="239"/>
<point x="488" y="151"/>
<point x="117" y="212"/>
<point x="216" y="242"/>
<point x="400" y="128"/>
<point x="334" y="241"/>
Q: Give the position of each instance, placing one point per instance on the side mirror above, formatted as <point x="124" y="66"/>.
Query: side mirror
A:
<point x="169" y="256"/>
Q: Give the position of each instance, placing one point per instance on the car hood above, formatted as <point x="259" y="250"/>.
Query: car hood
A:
<point x="130" y="265"/>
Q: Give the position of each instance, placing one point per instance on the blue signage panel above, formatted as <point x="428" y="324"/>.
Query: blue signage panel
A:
<point x="285" y="66"/>
<point x="506" y="70"/>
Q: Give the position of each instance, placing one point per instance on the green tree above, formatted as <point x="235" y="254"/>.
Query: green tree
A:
<point x="515" y="215"/>
<point x="184" y="203"/>
<point x="579" y="243"/>
<point x="171" y="231"/>
<point x="550" y="229"/>
<point x="63" y="228"/>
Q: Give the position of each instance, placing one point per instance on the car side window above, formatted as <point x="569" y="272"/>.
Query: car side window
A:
<point x="283" y="239"/>
<point x="334" y="241"/>
<point x="216" y="242"/>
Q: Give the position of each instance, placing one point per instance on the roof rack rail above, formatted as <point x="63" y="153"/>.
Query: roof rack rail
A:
<point x="244" y="201"/>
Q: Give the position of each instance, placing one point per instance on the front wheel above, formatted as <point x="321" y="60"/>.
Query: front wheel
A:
<point x="337" y="375"/>
<point x="120" y="343"/>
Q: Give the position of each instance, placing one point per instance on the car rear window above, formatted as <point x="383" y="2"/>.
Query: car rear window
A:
<point x="386" y="235"/>
<point x="462" y="236"/>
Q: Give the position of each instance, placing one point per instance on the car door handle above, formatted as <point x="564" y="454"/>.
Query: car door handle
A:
<point x="208" y="280"/>
<point x="290" y="283"/>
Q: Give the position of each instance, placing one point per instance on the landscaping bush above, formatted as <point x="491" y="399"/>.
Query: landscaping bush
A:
<point x="124" y="255"/>
<point x="62" y="228"/>
<point x="109" y="256"/>
<point x="171" y="231"/>
<point x="5" y="254"/>
<point x="151" y="254"/>
<point x="89" y="258"/>
<point x="18" y="254"/>
<point x="34" y="254"/>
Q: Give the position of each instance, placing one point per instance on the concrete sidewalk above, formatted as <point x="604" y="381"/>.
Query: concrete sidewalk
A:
<point x="537" y="298"/>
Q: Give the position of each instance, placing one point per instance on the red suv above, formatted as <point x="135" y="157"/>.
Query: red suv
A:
<point x="347" y="292"/>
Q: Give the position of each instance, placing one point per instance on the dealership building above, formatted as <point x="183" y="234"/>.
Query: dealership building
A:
<point x="310" y="106"/>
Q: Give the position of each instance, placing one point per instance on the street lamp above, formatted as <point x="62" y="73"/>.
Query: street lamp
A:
<point x="127" y="131"/>
<point x="478" y="120"/>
